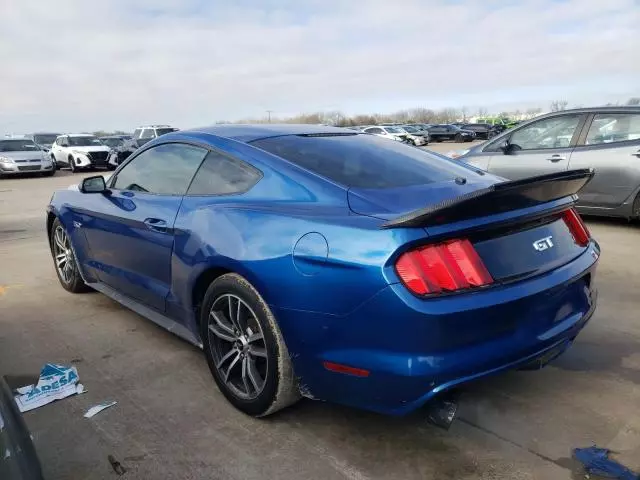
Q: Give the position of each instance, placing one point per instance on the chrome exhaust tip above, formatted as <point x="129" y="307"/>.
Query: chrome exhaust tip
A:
<point x="441" y="412"/>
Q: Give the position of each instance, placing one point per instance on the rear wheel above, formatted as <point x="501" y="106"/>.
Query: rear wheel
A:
<point x="245" y="349"/>
<point x="636" y="208"/>
<point x="64" y="260"/>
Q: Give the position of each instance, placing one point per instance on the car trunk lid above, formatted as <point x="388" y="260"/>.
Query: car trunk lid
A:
<point x="516" y="228"/>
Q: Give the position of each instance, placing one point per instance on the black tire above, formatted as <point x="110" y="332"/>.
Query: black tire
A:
<point x="458" y="138"/>
<point x="54" y="163"/>
<point x="72" y="164"/>
<point x="50" y="173"/>
<point x="266" y="354"/>
<point x="68" y="273"/>
<point x="636" y="208"/>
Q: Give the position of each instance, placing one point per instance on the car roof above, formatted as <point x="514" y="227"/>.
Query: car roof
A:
<point x="77" y="135"/>
<point x="249" y="133"/>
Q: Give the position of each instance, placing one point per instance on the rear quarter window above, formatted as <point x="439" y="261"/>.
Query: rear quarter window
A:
<point x="364" y="161"/>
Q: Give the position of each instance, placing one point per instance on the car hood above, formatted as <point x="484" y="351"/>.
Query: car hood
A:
<point x="26" y="155"/>
<point x="92" y="148"/>
<point x="388" y="203"/>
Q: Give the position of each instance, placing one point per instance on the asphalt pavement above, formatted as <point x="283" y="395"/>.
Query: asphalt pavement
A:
<point x="171" y="422"/>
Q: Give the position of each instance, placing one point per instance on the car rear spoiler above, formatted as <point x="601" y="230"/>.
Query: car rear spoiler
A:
<point x="498" y="198"/>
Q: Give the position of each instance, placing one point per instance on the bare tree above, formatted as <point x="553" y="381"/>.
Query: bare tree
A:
<point x="558" y="105"/>
<point x="465" y="113"/>
<point x="633" y="101"/>
<point x="532" y="112"/>
<point x="483" y="112"/>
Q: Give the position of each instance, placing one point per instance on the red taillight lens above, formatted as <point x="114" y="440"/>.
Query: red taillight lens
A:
<point x="577" y="227"/>
<point x="447" y="267"/>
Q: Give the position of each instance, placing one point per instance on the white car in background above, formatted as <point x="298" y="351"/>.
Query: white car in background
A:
<point x="80" y="151"/>
<point x="392" y="133"/>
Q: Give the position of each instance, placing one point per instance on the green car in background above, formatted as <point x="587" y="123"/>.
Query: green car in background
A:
<point x="502" y="122"/>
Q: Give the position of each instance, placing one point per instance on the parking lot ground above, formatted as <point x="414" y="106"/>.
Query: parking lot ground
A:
<point x="171" y="422"/>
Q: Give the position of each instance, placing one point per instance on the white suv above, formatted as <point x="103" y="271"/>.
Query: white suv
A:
<point x="79" y="151"/>
<point x="142" y="135"/>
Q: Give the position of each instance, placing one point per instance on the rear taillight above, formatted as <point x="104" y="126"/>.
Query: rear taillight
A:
<point x="577" y="227"/>
<point x="443" y="267"/>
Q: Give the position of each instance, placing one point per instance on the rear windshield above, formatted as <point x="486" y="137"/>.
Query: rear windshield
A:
<point x="364" y="161"/>
<point x="17" y="145"/>
<point x="164" y="131"/>
<point x="45" y="138"/>
<point x="84" y="141"/>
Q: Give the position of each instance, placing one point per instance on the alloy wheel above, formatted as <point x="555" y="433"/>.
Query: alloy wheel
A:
<point x="238" y="346"/>
<point x="63" y="255"/>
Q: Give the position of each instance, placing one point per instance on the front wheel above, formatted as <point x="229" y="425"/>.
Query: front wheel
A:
<point x="458" y="138"/>
<point x="50" y="173"/>
<point x="64" y="260"/>
<point x="72" y="164"/>
<point x="245" y="349"/>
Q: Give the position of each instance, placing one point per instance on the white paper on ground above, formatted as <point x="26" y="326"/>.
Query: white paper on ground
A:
<point x="56" y="382"/>
<point x="98" y="408"/>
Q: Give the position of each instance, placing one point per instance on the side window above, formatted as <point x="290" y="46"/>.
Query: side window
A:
<point x="222" y="175"/>
<point x="613" y="127"/>
<point x="148" y="133"/>
<point x="373" y="130"/>
<point x="137" y="133"/>
<point x="555" y="132"/>
<point x="164" y="169"/>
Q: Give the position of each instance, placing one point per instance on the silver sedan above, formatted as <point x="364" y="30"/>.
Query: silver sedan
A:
<point x="606" y="139"/>
<point x="23" y="156"/>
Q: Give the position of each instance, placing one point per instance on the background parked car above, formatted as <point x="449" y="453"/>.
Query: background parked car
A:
<point x="438" y="133"/>
<point x="413" y="137"/>
<point x="417" y="132"/>
<point x="142" y="135"/>
<point x="502" y="123"/>
<point x="44" y="139"/>
<point x="22" y="155"/>
<point x="121" y="148"/>
<point x="606" y="139"/>
<point x="80" y="151"/>
<point x="483" y="131"/>
<point x="393" y="133"/>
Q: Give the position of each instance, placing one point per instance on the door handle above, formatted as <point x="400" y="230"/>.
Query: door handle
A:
<point x="556" y="158"/>
<point x="156" y="224"/>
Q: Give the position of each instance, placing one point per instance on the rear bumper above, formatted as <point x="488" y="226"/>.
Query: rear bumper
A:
<point x="415" y="349"/>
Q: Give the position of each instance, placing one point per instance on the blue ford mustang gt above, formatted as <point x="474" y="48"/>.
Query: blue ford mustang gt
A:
<point x="321" y="262"/>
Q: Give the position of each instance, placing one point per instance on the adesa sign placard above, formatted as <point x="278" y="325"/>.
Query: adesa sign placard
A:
<point x="55" y="382"/>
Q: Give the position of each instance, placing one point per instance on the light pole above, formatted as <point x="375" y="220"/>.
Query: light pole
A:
<point x="269" y="115"/>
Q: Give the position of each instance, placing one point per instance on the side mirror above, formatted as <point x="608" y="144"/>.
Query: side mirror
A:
<point x="94" y="185"/>
<point x="506" y="147"/>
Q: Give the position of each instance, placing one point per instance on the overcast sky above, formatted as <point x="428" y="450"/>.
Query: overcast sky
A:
<point x="71" y="65"/>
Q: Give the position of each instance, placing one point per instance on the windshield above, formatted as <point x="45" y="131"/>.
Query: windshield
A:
<point x="164" y="131"/>
<point x="45" y="138"/>
<point x="410" y="129"/>
<point x="364" y="161"/>
<point x="112" y="142"/>
<point x="393" y="130"/>
<point x="17" y="145"/>
<point x="84" y="141"/>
